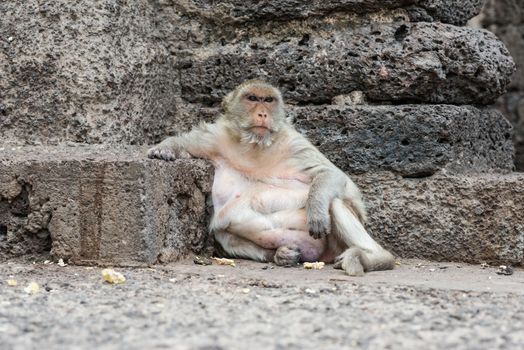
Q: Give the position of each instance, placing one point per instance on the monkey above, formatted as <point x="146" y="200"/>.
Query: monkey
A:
<point x="276" y="197"/>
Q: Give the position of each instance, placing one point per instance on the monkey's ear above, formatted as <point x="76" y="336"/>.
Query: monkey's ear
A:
<point x="226" y="101"/>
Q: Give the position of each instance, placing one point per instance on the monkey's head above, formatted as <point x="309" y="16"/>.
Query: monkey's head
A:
<point x="255" y="110"/>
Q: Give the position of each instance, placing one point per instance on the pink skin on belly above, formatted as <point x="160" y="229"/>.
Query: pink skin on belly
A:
<point x="267" y="211"/>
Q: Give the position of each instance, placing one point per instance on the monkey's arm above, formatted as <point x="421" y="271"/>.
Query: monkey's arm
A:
<point x="327" y="183"/>
<point x="199" y="142"/>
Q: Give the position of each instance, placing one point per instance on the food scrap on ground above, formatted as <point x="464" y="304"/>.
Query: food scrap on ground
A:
<point x="32" y="288"/>
<point x="224" y="261"/>
<point x="202" y="260"/>
<point x="505" y="270"/>
<point x="113" y="277"/>
<point x="317" y="265"/>
<point x="12" y="283"/>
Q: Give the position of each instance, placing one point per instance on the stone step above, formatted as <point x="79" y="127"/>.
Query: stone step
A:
<point x="422" y="62"/>
<point x="103" y="205"/>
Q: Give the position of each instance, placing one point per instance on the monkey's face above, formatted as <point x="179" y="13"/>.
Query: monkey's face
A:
<point x="257" y="110"/>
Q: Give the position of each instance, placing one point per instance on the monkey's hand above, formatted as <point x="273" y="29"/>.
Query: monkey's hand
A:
<point x="319" y="223"/>
<point x="167" y="152"/>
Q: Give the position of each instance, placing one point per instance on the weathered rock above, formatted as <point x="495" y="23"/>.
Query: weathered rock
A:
<point x="411" y="140"/>
<point x="473" y="219"/>
<point x="512" y="36"/>
<point x="503" y="12"/>
<point x="97" y="204"/>
<point x="423" y="62"/>
<point x="512" y="106"/>
<point x="238" y="11"/>
<point x="447" y="11"/>
<point x="505" y="18"/>
<point x="83" y="71"/>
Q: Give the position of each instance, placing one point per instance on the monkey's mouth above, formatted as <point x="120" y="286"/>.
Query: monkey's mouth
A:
<point x="260" y="130"/>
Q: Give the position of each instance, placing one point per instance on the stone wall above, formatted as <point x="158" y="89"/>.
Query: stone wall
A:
<point x="505" y="18"/>
<point x="115" y="72"/>
<point x="394" y="92"/>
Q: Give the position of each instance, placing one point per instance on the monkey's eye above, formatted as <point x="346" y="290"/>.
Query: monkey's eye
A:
<point x="268" y="99"/>
<point x="252" y="98"/>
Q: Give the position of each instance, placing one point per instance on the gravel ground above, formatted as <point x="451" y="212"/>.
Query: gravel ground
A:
<point x="260" y="306"/>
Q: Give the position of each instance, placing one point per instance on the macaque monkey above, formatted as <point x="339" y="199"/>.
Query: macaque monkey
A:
<point x="275" y="196"/>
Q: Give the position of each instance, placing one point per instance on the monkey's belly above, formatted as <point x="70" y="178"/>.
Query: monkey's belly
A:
<point x="233" y="193"/>
<point x="269" y="212"/>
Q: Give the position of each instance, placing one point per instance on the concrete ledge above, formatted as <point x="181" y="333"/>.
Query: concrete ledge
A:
<point x="100" y="204"/>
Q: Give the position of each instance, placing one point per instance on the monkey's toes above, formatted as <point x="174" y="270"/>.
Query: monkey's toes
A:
<point x="337" y="264"/>
<point x="287" y="256"/>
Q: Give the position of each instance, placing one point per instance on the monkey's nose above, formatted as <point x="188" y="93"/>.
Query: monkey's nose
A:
<point x="262" y="115"/>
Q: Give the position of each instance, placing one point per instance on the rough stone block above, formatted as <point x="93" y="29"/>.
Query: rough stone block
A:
<point x="97" y="205"/>
<point x="422" y="62"/>
<point x="411" y="140"/>
<point x="236" y="11"/>
<point x="503" y="12"/>
<point x="512" y="106"/>
<point x="474" y="219"/>
<point x="101" y="205"/>
<point x="83" y="71"/>
<point x="505" y="18"/>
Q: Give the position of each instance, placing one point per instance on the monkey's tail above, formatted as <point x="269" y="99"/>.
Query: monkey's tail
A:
<point x="364" y="253"/>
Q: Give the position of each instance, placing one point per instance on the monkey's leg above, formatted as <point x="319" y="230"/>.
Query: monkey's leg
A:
<point x="238" y="247"/>
<point x="364" y="253"/>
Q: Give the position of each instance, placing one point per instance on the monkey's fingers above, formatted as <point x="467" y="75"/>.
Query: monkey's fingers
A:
<point x="161" y="153"/>
<point x="319" y="228"/>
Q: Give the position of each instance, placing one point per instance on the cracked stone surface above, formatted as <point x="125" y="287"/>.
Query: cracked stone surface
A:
<point x="475" y="218"/>
<point x="410" y="140"/>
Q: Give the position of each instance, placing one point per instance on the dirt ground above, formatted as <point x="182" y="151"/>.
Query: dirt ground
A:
<point x="259" y="306"/>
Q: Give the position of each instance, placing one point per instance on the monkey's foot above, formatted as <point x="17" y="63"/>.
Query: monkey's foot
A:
<point x="287" y="256"/>
<point x="349" y="261"/>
